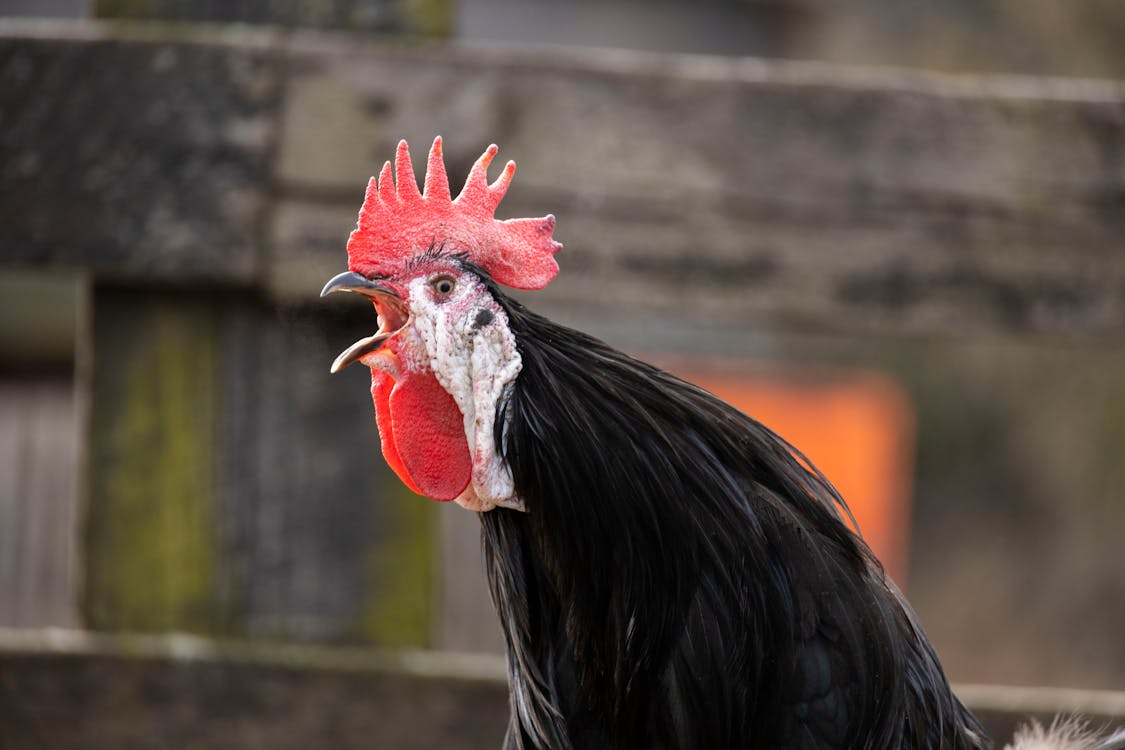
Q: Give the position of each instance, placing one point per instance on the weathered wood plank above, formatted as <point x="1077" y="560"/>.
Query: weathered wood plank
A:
<point x="431" y="17"/>
<point x="126" y="693"/>
<point x="52" y="300"/>
<point x="372" y="15"/>
<point x="135" y="159"/>
<point x="38" y="502"/>
<point x="150" y="548"/>
<point x="78" y="690"/>
<point x="322" y="540"/>
<point x="783" y="194"/>
<point x="466" y="618"/>
<point x="236" y="485"/>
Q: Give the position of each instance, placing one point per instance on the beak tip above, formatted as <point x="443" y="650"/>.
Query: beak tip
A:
<point x="347" y="281"/>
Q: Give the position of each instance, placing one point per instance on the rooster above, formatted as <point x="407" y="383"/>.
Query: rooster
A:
<point x="667" y="571"/>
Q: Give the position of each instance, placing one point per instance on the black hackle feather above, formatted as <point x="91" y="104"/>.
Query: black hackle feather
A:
<point x="682" y="578"/>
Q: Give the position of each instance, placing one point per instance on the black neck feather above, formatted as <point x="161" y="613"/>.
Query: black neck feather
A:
<point x="657" y="585"/>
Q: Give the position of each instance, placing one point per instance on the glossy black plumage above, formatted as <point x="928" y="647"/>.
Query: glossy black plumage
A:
<point x="681" y="580"/>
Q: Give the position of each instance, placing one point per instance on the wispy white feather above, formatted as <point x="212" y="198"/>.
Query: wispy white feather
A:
<point x="1065" y="734"/>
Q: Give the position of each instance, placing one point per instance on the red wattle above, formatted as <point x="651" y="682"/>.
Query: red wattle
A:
<point x="381" y="385"/>
<point x="423" y="434"/>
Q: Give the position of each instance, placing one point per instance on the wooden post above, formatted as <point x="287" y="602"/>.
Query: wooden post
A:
<point x="150" y="545"/>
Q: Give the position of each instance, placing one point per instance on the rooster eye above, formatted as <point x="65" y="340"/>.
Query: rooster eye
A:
<point x="443" y="285"/>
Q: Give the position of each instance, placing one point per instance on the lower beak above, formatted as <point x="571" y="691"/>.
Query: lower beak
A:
<point x="393" y="314"/>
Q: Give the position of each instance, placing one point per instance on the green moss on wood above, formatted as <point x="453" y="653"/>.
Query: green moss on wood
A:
<point x="124" y="8"/>
<point x="150" y="553"/>
<point x="402" y="569"/>
<point x="432" y="18"/>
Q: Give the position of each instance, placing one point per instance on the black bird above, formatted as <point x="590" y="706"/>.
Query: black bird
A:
<point x="668" y="572"/>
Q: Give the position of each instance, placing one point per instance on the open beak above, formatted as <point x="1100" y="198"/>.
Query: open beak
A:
<point x="393" y="314"/>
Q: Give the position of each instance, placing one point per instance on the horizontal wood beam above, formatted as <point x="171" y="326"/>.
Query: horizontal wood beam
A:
<point x="134" y="158"/>
<point x="76" y="690"/>
<point x="145" y="691"/>
<point x="732" y="192"/>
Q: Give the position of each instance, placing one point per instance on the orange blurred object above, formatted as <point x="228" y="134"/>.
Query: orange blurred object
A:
<point x="857" y="427"/>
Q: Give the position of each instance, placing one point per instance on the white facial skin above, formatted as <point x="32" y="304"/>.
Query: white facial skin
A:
<point x="460" y="333"/>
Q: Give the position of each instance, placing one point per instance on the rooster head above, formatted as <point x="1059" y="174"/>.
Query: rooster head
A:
<point x="443" y="355"/>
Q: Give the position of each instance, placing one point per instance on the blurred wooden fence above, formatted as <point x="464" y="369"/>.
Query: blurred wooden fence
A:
<point x="38" y="503"/>
<point x="202" y="182"/>
<point x="72" y="690"/>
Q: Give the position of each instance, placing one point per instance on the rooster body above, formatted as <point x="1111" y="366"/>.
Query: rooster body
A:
<point x="681" y="580"/>
<point x="668" y="572"/>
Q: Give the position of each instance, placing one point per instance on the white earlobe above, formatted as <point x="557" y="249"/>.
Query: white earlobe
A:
<point x="494" y="364"/>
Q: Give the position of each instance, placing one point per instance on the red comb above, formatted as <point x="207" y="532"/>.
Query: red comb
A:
<point x="397" y="223"/>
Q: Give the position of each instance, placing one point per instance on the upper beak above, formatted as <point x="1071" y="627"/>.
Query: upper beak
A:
<point x="393" y="314"/>
<point x="350" y="281"/>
